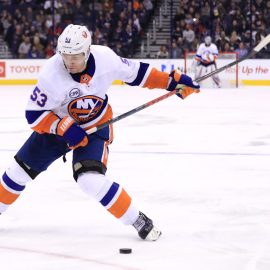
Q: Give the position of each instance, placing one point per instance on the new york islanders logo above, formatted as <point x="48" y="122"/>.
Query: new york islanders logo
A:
<point x="86" y="108"/>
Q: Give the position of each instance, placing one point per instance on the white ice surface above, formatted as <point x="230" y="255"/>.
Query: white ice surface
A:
<point x="200" y="168"/>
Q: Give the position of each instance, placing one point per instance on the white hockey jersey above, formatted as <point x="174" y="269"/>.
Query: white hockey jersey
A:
<point x="207" y="54"/>
<point x="83" y="96"/>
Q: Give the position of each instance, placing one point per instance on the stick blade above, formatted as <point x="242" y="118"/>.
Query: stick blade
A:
<point x="263" y="43"/>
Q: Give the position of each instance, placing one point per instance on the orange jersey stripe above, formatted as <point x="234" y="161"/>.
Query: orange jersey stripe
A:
<point x="7" y="197"/>
<point x="121" y="205"/>
<point x="157" y="79"/>
<point x="45" y="124"/>
<point x="105" y="153"/>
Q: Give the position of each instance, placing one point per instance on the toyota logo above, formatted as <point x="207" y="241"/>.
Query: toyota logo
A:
<point x="2" y="69"/>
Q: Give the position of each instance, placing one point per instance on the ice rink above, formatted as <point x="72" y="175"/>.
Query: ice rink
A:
<point x="200" y="168"/>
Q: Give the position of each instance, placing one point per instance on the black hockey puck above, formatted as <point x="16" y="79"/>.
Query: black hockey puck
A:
<point x="125" y="250"/>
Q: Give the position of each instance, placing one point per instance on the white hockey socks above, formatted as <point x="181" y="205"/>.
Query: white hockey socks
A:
<point x="12" y="184"/>
<point x="110" y="194"/>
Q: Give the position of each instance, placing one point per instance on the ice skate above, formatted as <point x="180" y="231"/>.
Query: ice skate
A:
<point x="145" y="228"/>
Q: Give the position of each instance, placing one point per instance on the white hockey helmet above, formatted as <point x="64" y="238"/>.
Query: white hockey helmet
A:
<point x="75" y="39"/>
<point x="207" y="40"/>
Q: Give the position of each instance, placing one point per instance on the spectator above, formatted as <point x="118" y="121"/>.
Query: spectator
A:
<point x="163" y="52"/>
<point x="6" y="21"/>
<point x="177" y="33"/>
<point x="126" y="39"/>
<point x="176" y="51"/>
<point x="246" y="37"/>
<point x="49" y="50"/>
<point x="242" y="50"/>
<point x="234" y="40"/>
<point x="119" y="50"/>
<point x="97" y="37"/>
<point x="34" y="53"/>
<point x="227" y="48"/>
<point x="148" y="5"/>
<point x="189" y="36"/>
<point x="24" y="47"/>
<point x="222" y="40"/>
<point x="205" y="14"/>
<point x="136" y="22"/>
<point x="180" y="15"/>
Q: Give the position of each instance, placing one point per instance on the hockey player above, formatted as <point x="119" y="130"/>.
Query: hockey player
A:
<point x="69" y="98"/>
<point x="205" y="60"/>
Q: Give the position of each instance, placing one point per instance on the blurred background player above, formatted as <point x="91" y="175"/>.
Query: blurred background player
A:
<point x="70" y="98"/>
<point x="206" y="56"/>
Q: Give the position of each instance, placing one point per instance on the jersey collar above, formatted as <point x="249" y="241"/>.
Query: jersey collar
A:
<point x="86" y="75"/>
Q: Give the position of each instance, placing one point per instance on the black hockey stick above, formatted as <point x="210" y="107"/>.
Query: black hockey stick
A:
<point x="124" y="115"/>
<point x="262" y="44"/>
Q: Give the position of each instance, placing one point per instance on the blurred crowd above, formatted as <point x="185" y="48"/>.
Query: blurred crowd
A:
<point x="27" y="26"/>
<point x="228" y="22"/>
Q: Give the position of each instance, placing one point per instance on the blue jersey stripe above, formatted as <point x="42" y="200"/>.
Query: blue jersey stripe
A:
<point x="110" y="194"/>
<point x="142" y="70"/>
<point x="32" y="116"/>
<point x="11" y="184"/>
<point x="90" y="69"/>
